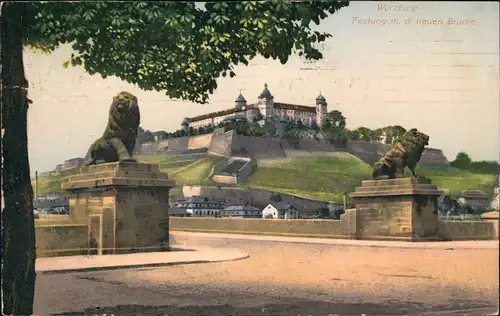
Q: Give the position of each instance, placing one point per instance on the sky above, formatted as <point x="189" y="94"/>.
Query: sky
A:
<point x="431" y="65"/>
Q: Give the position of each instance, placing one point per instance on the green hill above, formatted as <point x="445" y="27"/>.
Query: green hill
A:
<point x="326" y="178"/>
<point x="322" y="178"/>
<point x="187" y="169"/>
<point x="195" y="173"/>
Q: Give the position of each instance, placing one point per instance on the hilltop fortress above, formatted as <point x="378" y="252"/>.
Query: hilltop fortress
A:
<point x="230" y="144"/>
<point x="265" y="109"/>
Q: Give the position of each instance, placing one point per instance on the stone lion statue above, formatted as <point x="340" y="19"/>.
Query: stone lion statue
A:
<point x="118" y="141"/>
<point x="406" y="152"/>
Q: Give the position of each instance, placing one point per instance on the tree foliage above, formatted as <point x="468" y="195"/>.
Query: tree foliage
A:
<point x="462" y="160"/>
<point x="144" y="136"/>
<point x="177" y="47"/>
<point x="334" y="128"/>
<point x="465" y="162"/>
<point x="394" y="133"/>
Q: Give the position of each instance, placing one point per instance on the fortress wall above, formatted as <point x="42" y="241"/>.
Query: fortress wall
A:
<point x="221" y="143"/>
<point x="315" y="145"/>
<point x="229" y="143"/>
<point x="310" y="145"/>
<point x="148" y="148"/>
<point x="257" y="147"/>
<point x="370" y="153"/>
<point x="245" y="171"/>
<point x="162" y="145"/>
<point x="220" y="165"/>
<point x="178" y="144"/>
<point x="225" y="179"/>
<point x="200" y="141"/>
<point x="433" y="156"/>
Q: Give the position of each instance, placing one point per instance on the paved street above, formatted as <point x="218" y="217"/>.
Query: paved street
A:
<point x="288" y="278"/>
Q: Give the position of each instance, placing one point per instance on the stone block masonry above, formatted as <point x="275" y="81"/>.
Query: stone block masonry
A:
<point x="124" y="204"/>
<point x="398" y="208"/>
<point x="229" y="144"/>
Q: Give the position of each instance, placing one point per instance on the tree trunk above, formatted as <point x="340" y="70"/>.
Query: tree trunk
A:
<point x="18" y="226"/>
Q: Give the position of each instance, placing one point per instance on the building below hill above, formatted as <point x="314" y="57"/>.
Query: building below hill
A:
<point x="495" y="203"/>
<point x="477" y="200"/>
<point x="200" y="206"/>
<point x="72" y="163"/>
<point x="280" y="210"/>
<point x="242" y="211"/>
<point x="265" y="108"/>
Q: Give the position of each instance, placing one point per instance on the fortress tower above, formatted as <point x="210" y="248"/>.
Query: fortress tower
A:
<point x="321" y="110"/>
<point x="185" y="124"/>
<point x="240" y="102"/>
<point x="266" y="103"/>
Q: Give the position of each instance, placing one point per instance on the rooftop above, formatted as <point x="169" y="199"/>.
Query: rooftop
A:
<point x="320" y="99"/>
<point x="200" y="199"/>
<point x="473" y="194"/>
<point x="240" y="98"/>
<point x="265" y="93"/>
<point x="241" y="208"/>
<point x="240" y="107"/>
<point x="219" y="113"/>
<point x="288" y="106"/>
<point x="177" y="211"/>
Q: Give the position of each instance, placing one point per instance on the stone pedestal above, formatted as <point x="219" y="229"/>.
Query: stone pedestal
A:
<point x="125" y="205"/>
<point x="399" y="209"/>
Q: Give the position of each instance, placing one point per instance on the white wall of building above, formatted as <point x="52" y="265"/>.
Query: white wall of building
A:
<point x="270" y="211"/>
<point x="495" y="204"/>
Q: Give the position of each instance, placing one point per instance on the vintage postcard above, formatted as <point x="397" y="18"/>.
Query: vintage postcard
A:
<point x="250" y="158"/>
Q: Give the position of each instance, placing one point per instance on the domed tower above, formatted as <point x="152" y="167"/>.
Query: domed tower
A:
<point x="185" y="124"/>
<point x="266" y="103"/>
<point x="240" y="102"/>
<point x="321" y="110"/>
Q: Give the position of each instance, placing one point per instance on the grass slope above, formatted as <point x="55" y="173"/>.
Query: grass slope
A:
<point x="456" y="180"/>
<point x="186" y="169"/>
<point x="322" y="178"/>
<point x="47" y="185"/>
<point x="326" y="178"/>
<point x="196" y="172"/>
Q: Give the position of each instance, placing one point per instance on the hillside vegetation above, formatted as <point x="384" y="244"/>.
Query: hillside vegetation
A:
<point x="189" y="168"/>
<point x="316" y="177"/>
<point x="326" y="178"/>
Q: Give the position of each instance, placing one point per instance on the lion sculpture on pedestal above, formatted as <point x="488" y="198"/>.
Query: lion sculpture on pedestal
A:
<point x="118" y="141"/>
<point x="406" y="152"/>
